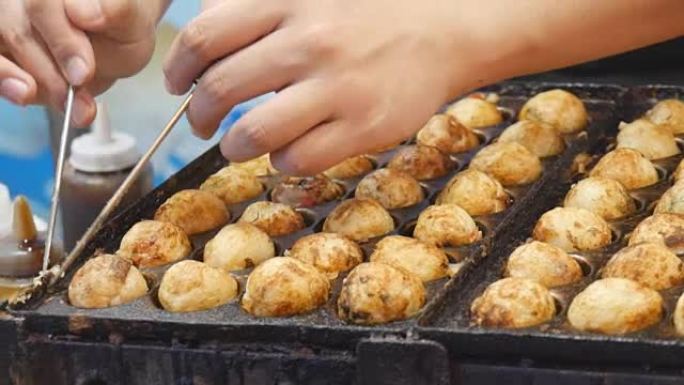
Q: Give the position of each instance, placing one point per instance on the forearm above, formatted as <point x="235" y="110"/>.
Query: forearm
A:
<point x="518" y="37"/>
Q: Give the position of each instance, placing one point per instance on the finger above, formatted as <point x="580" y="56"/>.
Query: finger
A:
<point x="16" y="85"/>
<point x="84" y="108"/>
<point x="253" y="71"/>
<point x="30" y="53"/>
<point x="69" y="47"/>
<point x="279" y="121"/>
<point x="326" y="145"/>
<point x="216" y="33"/>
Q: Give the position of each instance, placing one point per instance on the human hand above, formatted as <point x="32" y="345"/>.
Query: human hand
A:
<point x="45" y="44"/>
<point x="356" y="75"/>
<point x="352" y="76"/>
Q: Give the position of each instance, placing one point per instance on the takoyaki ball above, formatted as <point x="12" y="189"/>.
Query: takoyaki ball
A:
<point x="475" y="112"/>
<point x="678" y="316"/>
<point x="664" y="228"/>
<point x="350" y="168"/>
<point x="391" y="188"/>
<point x="510" y="163"/>
<point x="104" y="281"/>
<point x="558" y="108"/>
<point x="475" y="192"/>
<point x="375" y="293"/>
<point x="428" y="262"/>
<point x="651" y="264"/>
<point x="193" y="286"/>
<point x="602" y="196"/>
<point x="421" y="162"/>
<point x="275" y="219"/>
<point x="233" y="185"/>
<point x="544" y="263"/>
<point x="446" y="225"/>
<point x="513" y="303"/>
<point x="238" y="246"/>
<point x="260" y="166"/>
<point x="284" y="286"/>
<point x="194" y="211"/>
<point x="542" y="139"/>
<point x="615" y="306"/>
<point x="679" y="172"/>
<point x="359" y="220"/>
<point x="627" y="166"/>
<point x="328" y="252"/>
<point x="669" y="112"/>
<point x="652" y="140"/>
<point x="445" y="133"/>
<point x="306" y="191"/>
<point x="572" y="229"/>
<point x="154" y="243"/>
<point x="672" y="201"/>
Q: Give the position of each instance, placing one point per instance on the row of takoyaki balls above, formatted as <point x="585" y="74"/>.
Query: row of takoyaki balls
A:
<point x="626" y="298"/>
<point x="387" y="288"/>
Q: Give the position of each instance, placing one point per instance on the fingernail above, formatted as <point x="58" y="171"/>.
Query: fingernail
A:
<point x="91" y="9"/>
<point x="14" y="90"/>
<point x="82" y="109"/>
<point x="76" y="71"/>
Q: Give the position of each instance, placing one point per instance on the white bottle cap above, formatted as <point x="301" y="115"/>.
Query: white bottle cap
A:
<point x="102" y="150"/>
<point x="5" y="211"/>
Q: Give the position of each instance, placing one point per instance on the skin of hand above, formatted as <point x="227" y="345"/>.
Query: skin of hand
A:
<point x="357" y="75"/>
<point x="46" y="44"/>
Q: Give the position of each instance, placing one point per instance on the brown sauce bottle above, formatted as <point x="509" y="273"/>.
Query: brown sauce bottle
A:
<point x="99" y="163"/>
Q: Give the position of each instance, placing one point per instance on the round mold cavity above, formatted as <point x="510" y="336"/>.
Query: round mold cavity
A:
<point x="662" y="174"/>
<point x="641" y="206"/>
<point x="559" y="302"/>
<point x="587" y="268"/>
<point x="507" y="114"/>
<point x="483" y="139"/>
<point x="310" y="216"/>
<point x="680" y="144"/>
<point x="407" y="228"/>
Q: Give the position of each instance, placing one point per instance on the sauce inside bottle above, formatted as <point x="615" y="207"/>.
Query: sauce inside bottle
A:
<point x="22" y="250"/>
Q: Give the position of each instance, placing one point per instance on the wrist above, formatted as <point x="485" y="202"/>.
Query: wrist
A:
<point x="485" y="47"/>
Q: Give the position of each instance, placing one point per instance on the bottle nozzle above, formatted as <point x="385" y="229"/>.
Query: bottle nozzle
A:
<point x="101" y="127"/>
<point x="23" y="226"/>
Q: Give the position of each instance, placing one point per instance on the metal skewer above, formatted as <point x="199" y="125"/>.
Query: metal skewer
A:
<point x="115" y="200"/>
<point x="66" y="127"/>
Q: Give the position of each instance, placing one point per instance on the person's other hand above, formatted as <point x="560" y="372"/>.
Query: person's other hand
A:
<point x="352" y="76"/>
<point x="45" y="44"/>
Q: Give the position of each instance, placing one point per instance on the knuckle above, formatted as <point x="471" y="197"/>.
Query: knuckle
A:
<point x="320" y="41"/>
<point x="17" y="36"/>
<point x="256" y="135"/>
<point x="194" y="39"/>
<point x="215" y="86"/>
<point x="118" y="10"/>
